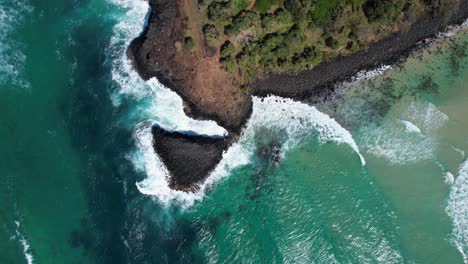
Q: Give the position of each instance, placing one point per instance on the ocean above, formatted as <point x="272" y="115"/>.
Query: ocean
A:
<point x="376" y="174"/>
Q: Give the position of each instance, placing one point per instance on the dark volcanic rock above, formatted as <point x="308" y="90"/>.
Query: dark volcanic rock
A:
<point x="189" y="158"/>
<point x="162" y="24"/>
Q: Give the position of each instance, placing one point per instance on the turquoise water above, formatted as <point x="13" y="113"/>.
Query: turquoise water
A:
<point x="378" y="174"/>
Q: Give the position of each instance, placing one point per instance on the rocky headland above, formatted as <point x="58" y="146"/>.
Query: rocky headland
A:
<point x="174" y="48"/>
<point x="187" y="157"/>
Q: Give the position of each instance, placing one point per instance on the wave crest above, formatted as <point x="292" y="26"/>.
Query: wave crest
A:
<point x="457" y="208"/>
<point x="292" y="121"/>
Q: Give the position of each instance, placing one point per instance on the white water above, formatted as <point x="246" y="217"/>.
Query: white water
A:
<point x="292" y="121"/>
<point x="369" y="74"/>
<point x="12" y="59"/>
<point x="425" y="116"/>
<point x="457" y="209"/>
<point x="410" y="136"/>
<point x="410" y="127"/>
<point x="24" y="243"/>
<point x="449" y="178"/>
<point x="286" y="120"/>
<point x="155" y="102"/>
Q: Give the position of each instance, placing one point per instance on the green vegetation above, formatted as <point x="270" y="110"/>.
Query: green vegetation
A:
<point x="262" y="6"/>
<point x="293" y="35"/>
<point x="189" y="42"/>
<point x="238" y="5"/>
<point x="324" y="10"/>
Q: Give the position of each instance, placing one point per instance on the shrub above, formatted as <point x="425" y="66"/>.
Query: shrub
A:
<point x="331" y="42"/>
<point x="210" y="31"/>
<point x="281" y="21"/>
<point x="250" y="19"/>
<point x="227" y="50"/>
<point x="219" y="13"/>
<point x="382" y="9"/>
<point x="189" y="42"/>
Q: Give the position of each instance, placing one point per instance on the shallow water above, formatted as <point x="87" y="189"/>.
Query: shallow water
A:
<point x="81" y="184"/>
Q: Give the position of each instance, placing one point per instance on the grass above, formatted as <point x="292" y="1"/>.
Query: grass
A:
<point x="263" y="6"/>
<point x="239" y="5"/>
<point x="323" y="10"/>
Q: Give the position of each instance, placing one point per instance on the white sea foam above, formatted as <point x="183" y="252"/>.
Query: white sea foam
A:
<point x="425" y="116"/>
<point x="288" y="120"/>
<point x="292" y="120"/>
<point x="165" y="108"/>
<point x="369" y="74"/>
<point x="396" y="144"/>
<point x="457" y="208"/>
<point x="155" y="102"/>
<point x="410" y="127"/>
<point x="409" y="139"/>
<point x="459" y="151"/>
<point x="452" y="30"/>
<point x="26" y="247"/>
<point x="296" y="121"/>
<point x="12" y="59"/>
<point x="130" y="26"/>
<point x="449" y="178"/>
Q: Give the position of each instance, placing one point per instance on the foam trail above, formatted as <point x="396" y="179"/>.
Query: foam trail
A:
<point x="12" y="59"/>
<point x="130" y="26"/>
<point x="410" y="138"/>
<point x="457" y="209"/>
<point x="297" y="120"/>
<point x="289" y="120"/>
<point x="146" y="160"/>
<point x="155" y="103"/>
<point x="410" y="127"/>
<point x="459" y="151"/>
<point x="425" y="116"/>
<point x="165" y="108"/>
<point x="26" y="247"/>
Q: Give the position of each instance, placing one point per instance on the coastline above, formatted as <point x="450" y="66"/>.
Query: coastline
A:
<point x="157" y="53"/>
<point x="307" y="86"/>
<point x="319" y="83"/>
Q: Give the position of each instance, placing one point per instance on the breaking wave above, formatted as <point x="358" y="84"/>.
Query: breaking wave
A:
<point x="293" y="121"/>
<point x="24" y="243"/>
<point x="410" y="127"/>
<point x="457" y="209"/>
<point x="158" y="105"/>
<point x="154" y="103"/>
<point x="409" y="139"/>
<point x="289" y="120"/>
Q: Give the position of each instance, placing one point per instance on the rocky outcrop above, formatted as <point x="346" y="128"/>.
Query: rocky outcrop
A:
<point x="188" y="158"/>
<point x="161" y="52"/>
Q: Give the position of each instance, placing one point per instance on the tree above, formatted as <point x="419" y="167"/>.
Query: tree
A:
<point x="227" y="50"/>
<point x="382" y="9"/>
<point x="210" y="31"/>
